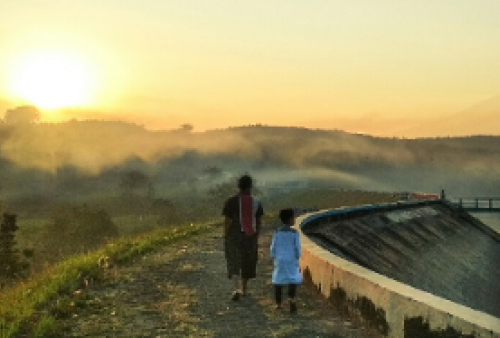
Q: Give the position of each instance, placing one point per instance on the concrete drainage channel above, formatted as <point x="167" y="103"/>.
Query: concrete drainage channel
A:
<point x="387" y="306"/>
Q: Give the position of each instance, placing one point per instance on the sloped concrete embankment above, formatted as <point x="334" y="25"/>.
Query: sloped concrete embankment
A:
<point x="407" y="270"/>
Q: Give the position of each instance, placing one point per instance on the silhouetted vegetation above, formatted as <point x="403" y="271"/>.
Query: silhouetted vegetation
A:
<point x="20" y="313"/>
<point x="78" y="230"/>
<point x="23" y="114"/>
<point x="134" y="180"/>
<point x="11" y="265"/>
<point x="89" y="157"/>
<point x="166" y="212"/>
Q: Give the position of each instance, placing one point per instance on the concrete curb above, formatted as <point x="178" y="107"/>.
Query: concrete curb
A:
<point x="392" y="308"/>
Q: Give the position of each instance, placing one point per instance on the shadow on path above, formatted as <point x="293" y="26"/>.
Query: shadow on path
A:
<point x="183" y="291"/>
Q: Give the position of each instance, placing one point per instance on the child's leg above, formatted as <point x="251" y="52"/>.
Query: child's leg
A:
<point x="277" y="294"/>
<point x="244" y="283"/>
<point x="292" y="289"/>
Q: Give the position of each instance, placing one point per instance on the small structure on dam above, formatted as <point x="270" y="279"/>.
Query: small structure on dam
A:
<point x="441" y="256"/>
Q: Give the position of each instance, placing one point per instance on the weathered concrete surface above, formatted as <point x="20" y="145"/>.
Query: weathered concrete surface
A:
<point x="429" y="247"/>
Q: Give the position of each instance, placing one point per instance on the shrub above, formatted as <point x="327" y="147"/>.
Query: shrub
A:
<point x="11" y="265"/>
<point x="77" y="230"/>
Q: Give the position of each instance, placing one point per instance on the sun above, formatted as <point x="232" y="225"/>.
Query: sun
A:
<point x="52" y="80"/>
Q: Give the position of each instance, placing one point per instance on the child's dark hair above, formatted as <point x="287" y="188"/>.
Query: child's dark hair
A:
<point x="286" y="215"/>
<point x="245" y="182"/>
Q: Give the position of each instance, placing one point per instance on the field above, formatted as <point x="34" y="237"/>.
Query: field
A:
<point x="329" y="198"/>
<point x="53" y="287"/>
<point x="54" y="277"/>
<point x="33" y="231"/>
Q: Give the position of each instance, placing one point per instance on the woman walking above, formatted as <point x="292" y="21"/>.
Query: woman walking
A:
<point x="243" y="214"/>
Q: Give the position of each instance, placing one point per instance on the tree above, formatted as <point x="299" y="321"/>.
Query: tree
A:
<point x="222" y="190"/>
<point x="226" y="189"/>
<point x="213" y="171"/>
<point x="164" y="208"/>
<point x="73" y="230"/>
<point x="134" y="180"/>
<point x="22" y="114"/>
<point x="10" y="264"/>
<point x="186" y="127"/>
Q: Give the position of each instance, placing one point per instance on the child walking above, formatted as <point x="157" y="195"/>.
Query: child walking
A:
<point x="285" y="250"/>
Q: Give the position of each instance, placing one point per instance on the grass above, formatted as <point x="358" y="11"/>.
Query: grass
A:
<point x="47" y="327"/>
<point x="52" y="289"/>
<point x="32" y="230"/>
<point x="20" y="304"/>
<point x="134" y="224"/>
<point x="329" y="199"/>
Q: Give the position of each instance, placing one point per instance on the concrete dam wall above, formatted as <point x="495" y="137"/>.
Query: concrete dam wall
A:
<point x="409" y="270"/>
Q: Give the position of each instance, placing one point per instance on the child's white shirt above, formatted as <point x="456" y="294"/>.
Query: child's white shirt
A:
<point x="285" y="249"/>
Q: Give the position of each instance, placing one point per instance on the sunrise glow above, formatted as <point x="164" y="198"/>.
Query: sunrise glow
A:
<point x="383" y="68"/>
<point x="52" y="80"/>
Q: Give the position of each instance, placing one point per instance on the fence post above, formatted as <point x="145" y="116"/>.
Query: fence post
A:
<point x="477" y="203"/>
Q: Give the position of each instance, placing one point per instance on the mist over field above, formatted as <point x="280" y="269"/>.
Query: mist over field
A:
<point x="74" y="186"/>
<point x="125" y="126"/>
<point x="79" y="158"/>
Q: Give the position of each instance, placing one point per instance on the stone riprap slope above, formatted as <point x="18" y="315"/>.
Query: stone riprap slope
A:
<point x="435" y="248"/>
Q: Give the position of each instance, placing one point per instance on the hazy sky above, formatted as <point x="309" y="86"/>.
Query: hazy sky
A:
<point x="217" y="63"/>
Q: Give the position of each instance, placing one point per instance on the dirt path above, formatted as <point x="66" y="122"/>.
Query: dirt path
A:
<point x="182" y="291"/>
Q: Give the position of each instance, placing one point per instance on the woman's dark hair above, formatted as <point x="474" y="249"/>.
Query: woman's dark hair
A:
<point x="245" y="182"/>
<point x="286" y="215"/>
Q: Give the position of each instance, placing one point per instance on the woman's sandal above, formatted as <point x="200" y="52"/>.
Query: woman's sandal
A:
<point x="236" y="296"/>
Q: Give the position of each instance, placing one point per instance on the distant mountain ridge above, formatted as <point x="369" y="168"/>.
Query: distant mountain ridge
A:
<point x="102" y="150"/>
<point x="482" y="118"/>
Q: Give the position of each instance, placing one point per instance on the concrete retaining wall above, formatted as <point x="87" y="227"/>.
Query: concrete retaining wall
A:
<point x="392" y="308"/>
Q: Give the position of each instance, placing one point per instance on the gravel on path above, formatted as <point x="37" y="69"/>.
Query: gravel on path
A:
<point x="183" y="291"/>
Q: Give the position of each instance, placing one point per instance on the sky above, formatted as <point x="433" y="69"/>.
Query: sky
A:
<point x="352" y="64"/>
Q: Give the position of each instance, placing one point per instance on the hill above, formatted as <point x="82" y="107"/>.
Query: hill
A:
<point x="482" y="118"/>
<point x="92" y="158"/>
